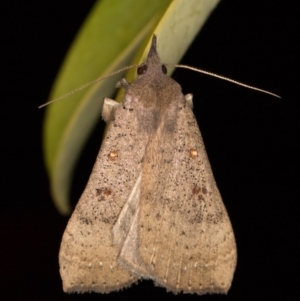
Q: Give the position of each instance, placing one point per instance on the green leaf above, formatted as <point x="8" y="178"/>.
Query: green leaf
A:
<point x="109" y="40"/>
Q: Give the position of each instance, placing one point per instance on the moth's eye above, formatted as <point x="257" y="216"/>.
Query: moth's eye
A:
<point x="142" y="69"/>
<point x="164" y="69"/>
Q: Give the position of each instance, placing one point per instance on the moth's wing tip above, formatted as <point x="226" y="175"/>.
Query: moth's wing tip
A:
<point x="81" y="288"/>
<point x="202" y="291"/>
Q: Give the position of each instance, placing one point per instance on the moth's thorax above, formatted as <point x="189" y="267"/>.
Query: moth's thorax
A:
<point x="155" y="91"/>
<point x="155" y="102"/>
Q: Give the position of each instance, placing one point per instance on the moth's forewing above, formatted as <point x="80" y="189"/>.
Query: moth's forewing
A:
<point x="88" y="257"/>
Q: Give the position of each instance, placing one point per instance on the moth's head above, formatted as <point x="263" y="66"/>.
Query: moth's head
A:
<point x="153" y="64"/>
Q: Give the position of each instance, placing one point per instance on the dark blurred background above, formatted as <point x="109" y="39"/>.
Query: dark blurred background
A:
<point x="252" y="140"/>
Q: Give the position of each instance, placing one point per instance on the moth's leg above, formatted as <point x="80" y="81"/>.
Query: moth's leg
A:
<point x="108" y="109"/>
<point x="123" y="83"/>
<point x="189" y="100"/>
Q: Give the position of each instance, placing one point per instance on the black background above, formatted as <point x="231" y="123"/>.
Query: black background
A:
<point x="251" y="139"/>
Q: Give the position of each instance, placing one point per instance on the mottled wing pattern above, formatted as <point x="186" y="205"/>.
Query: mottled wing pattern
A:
<point x="185" y="235"/>
<point x="88" y="256"/>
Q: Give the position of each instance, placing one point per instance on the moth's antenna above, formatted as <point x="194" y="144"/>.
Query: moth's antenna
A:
<point x="87" y="85"/>
<point x="224" y="78"/>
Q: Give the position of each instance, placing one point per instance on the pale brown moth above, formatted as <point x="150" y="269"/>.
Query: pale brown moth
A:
<point x="151" y="208"/>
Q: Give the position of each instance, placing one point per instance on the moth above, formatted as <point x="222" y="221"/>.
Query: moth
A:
<point x="151" y="208"/>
